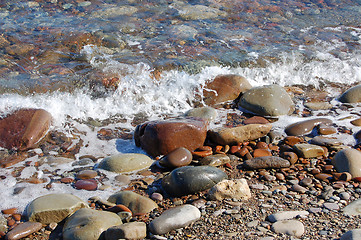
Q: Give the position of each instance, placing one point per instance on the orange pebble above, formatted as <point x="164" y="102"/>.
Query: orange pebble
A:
<point x="261" y="153"/>
<point x="9" y="211"/>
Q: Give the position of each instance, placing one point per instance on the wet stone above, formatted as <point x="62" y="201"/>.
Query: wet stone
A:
<point x="23" y="230"/>
<point x="325" y="141"/>
<point x="122" y="180"/>
<point x="266" y="162"/>
<point x="215" y="160"/>
<point x="308" y="150"/>
<point x="87" y="174"/>
<point x="352" y="95"/>
<point x="207" y="113"/>
<point x="256" y="120"/>
<point x="305" y="127"/>
<point x="86" y="184"/>
<point x="177" y="158"/>
<point x="126" y="162"/>
<point x="290" y="156"/>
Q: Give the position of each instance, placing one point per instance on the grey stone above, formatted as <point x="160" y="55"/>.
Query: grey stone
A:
<point x="289" y="227"/>
<point x="53" y="161"/>
<point x="230" y="189"/>
<point x="198" y="12"/>
<point x="115" y="12"/>
<point x="318" y="105"/>
<point x="348" y="160"/>
<point x="353" y="209"/>
<point x="308" y="150"/>
<point x="89" y="224"/>
<point x="352" y="95"/>
<point x="174" y="218"/>
<point x="285" y="215"/>
<point x="325" y="141"/>
<point x="305" y="127"/>
<point x="3" y="224"/>
<point x="331" y="206"/>
<point x="189" y="179"/>
<point x="125" y="162"/>
<point x="354" y="234"/>
<point x="23" y="230"/>
<point x="207" y="113"/>
<point x="132" y="230"/>
<point x="270" y="100"/>
<point x="215" y="160"/>
<point x="53" y="207"/>
<point x="266" y="162"/>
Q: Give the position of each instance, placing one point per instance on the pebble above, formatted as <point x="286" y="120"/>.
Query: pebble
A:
<point x="86" y="184"/>
<point x="179" y="157"/>
<point x="207" y="113"/>
<point x="348" y="160"/>
<point x="331" y="206"/>
<point x="156" y="196"/>
<point x="285" y="215"/>
<point x="289" y="227"/>
<point x="305" y="127"/>
<point x="122" y="180"/>
<point x="325" y="141"/>
<point x="315" y="210"/>
<point x="308" y="150"/>
<point x="298" y="188"/>
<point x="345" y="196"/>
<point x="215" y="160"/>
<point x="230" y="189"/>
<point x="132" y="230"/>
<point x="266" y="162"/>
<point x="254" y="223"/>
<point x="290" y="156"/>
<point x="306" y="182"/>
<point x="261" y="153"/>
<point x="126" y="162"/>
<point x="23" y="230"/>
<point x="87" y="174"/>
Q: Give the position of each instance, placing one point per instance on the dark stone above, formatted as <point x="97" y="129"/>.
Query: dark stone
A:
<point x="266" y="162"/>
<point x="305" y="127"/>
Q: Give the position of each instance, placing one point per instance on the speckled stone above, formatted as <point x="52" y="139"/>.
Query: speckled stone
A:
<point x="230" y="189"/>
<point x="266" y="162"/>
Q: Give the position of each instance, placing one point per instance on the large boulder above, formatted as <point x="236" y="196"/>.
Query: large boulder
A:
<point x="163" y="136"/>
<point x="224" y="88"/>
<point x="125" y="162"/>
<point x="352" y="95"/>
<point x="24" y="128"/>
<point x="270" y="100"/>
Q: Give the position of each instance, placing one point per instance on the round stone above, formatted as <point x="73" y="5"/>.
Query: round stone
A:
<point x="125" y="162"/>
<point x="177" y="158"/>
<point x="207" y="113"/>
<point x="87" y="174"/>
<point x="348" y="160"/>
<point x="86" y="184"/>
<point x="289" y="227"/>
<point x="352" y="95"/>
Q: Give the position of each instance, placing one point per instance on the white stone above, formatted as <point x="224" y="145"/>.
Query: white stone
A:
<point x="285" y="215"/>
<point x="353" y="209"/>
<point x="289" y="227"/>
<point x="230" y="189"/>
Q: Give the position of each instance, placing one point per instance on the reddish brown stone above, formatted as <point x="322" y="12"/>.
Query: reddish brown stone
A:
<point x="13" y="159"/>
<point x="261" y="153"/>
<point x="200" y="154"/>
<point x="162" y="137"/>
<point x="86" y="184"/>
<point x="290" y="156"/>
<point x="24" y="128"/>
<point x="22" y="230"/>
<point x="292" y="140"/>
<point x="261" y="145"/>
<point x="87" y="174"/>
<point x="256" y="120"/>
<point x="324" y="177"/>
<point x="235" y="149"/>
<point x="66" y="180"/>
<point x="9" y="211"/>
<point x="119" y="208"/>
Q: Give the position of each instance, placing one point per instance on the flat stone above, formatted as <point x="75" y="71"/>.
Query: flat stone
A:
<point x="197" y="12"/>
<point x="230" y="189"/>
<point x="318" y="105"/>
<point x="174" y="218"/>
<point x="289" y="227"/>
<point x="352" y="95"/>
<point x="138" y="204"/>
<point x="53" y="207"/>
<point x="86" y="174"/>
<point x="256" y="120"/>
<point x="308" y="150"/>
<point x="126" y="162"/>
<point x="353" y="209"/>
<point x="325" y="141"/>
<point x="206" y="113"/>
<point x="132" y="230"/>
<point x="270" y="100"/>
<point x="353" y="234"/>
<point x="305" y="127"/>
<point x="232" y="136"/>
<point x="348" y="160"/>
<point x="285" y="215"/>
<point x="331" y="206"/>
<point x="89" y="224"/>
<point x="179" y="157"/>
<point x="306" y="182"/>
<point x="23" y="230"/>
<point x="189" y="179"/>
<point x="266" y="162"/>
<point x="315" y="210"/>
<point x="298" y="188"/>
<point x="86" y="184"/>
<point x="215" y="160"/>
<point x="122" y="180"/>
<point x="326" y="130"/>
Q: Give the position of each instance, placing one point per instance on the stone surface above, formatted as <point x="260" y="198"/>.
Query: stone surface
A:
<point x="162" y="137"/>
<point x="54" y="161"/>
<point x="230" y="189"/>
<point x="354" y="234"/>
<point x="24" y="128"/>
<point x="289" y="227"/>
<point x="179" y="157"/>
<point x="174" y="218"/>
<point x="126" y="162"/>
<point x="348" y="160"/>
<point x="53" y="207"/>
<point x="3" y="223"/>
<point x="305" y="127"/>
<point x="231" y="136"/>
<point x="325" y="141"/>
<point x="206" y="113"/>
<point x="266" y="162"/>
<point x="89" y="224"/>
<point x="255" y="120"/>
<point x="22" y="230"/>
<point x="353" y="209"/>
<point x="270" y="100"/>
<point x="132" y="230"/>
<point x="86" y="184"/>
<point x="285" y="215"/>
<point x="308" y="150"/>
<point x="352" y="95"/>
<point x="215" y="160"/>
<point x="198" y="12"/>
<point x="356" y="122"/>
<point x="224" y="88"/>
<point x="138" y="204"/>
<point x="189" y="179"/>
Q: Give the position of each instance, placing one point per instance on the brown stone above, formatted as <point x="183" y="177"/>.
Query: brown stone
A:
<point x="119" y="208"/>
<point x="261" y="153"/>
<point x="13" y="159"/>
<point x="86" y="184"/>
<point x="9" y="211"/>
<point x="24" y="229"/>
<point x="87" y="174"/>
<point x="256" y="120"/>
<point x="292" y="140"/>
<point x="356" y="122"/>
<point x="290" y="156"/>
<point x="262" y="145"/>
<point x="305" y="127"/>
<point x="24" y="128"/>
<point x="177" y="158"/>
<point x="326" y="130"/>
<point x="162" y="137"/>
<point x="224" y="88"/>
<point x="324" y="177"/>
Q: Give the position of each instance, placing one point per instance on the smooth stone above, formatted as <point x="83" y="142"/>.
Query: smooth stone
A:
<point x="86" y="174"/>
<point x="308" y="150"/>
<point x="345" y="196"/>
<point x="352" y="95"/>
<point x="224" y="88"/>
<point x="123" y="180"/>
<point x="138" y="204"/>
<point x="230" y="189"/>
<point x="163" y="136"/>
<point x="353" y="209"/>
<point x="86" y="184"/>
<point x="215" y="160"/>
<point x="126" y="162"/>
<point x="315" y="210"/>
<point x="354" y="234"/>
<point x="285" y="215"/>
<point x="54" y="161"/>
<point x="318" y="105"/>
<point x="298" y="188"/>
<point x="53" y="207"/>
<point x="179" y="157"/>
<point x="232" y="136"/>
<point x="289" y="227"/>
<point x="174" y="218"/>
<point x="23" y="230"/>
<point x="266" y="162"/>
<point x="156" y="196"/>
<point x="356" y="122"/>
<point x="305" y="127"/>
<point x="270" y="100"/>
<point x="89" y="224"/>
<point x="325" y="141"/>
<point x="348" y="160"/>
<point x="119" y="208"/>
<point x="326" y="130"/>
<point x="132" y="230"/>
<point x="331" y="206"/>
<point x="290" y="156"/>
<point x="306" y="182"/>
<point x="255" y="120"/>
<point x="189" y="179"/>
<point x="206" y="113"/>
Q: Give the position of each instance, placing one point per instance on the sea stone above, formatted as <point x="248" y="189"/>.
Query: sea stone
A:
<point x="231" y="136"/>
<point x="224" y="88"/>
<point x="270" y="100"/>
<point x="177" y="158"/>
<point x="353" y="209"/>
<point x="3" y="224"/>
<point x="308" y="150"/>
<point x="305" y="127"/>
<point x="126" y="162"/>
<point x="89" y="224"/>
<point x="189" y="179"/>
<point x="206" y="113"/>
<point x="230" y="189"/>
<point x="23" y="229"/>
<point x="353" y="234"/>
<point x="266" y="162"/>
<point x="215" y="160"/>
<point x="198" y="12"/>
<point x="24" y="128"/>
<point x="138" y="204"/>
<point x="255" y="120"/>
<point x="318" y="105"/>
<point x="86" y="174"/>
<point x="54" y="161"/>
<point x="86" y="184"/>
<point x="53" y="207"/>
<point x="174" y="218"/>
<point x="285" y="215"/>
<point x="352" y="95"/>
<point x="162" y="137"/>
<point x="325" y="141"/>
<point x="348" y="160"/>
<point x="132" y="230"/>
<point x="289" y="227"/>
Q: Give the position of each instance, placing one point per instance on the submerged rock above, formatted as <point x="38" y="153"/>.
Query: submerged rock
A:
<point x="206" y="113"/>
<point x="125" y="162"/>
